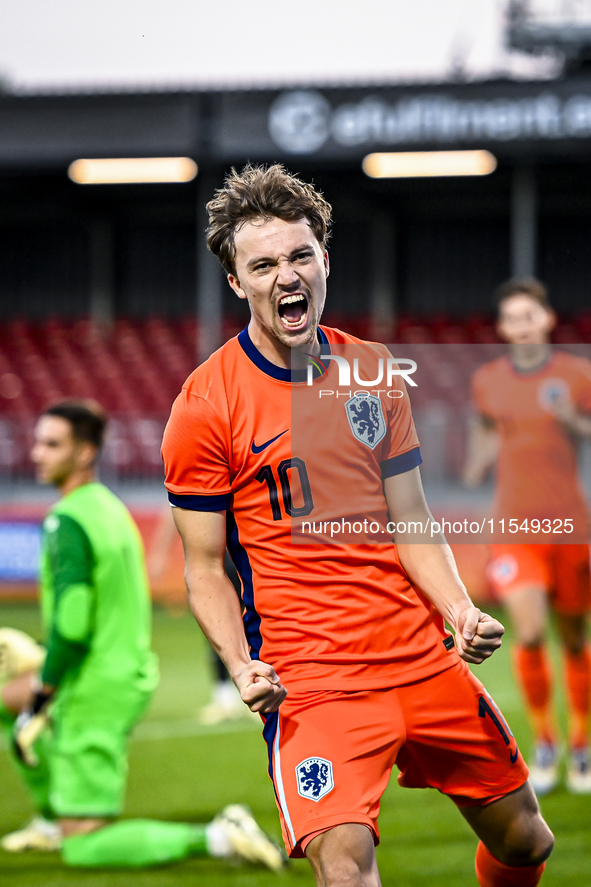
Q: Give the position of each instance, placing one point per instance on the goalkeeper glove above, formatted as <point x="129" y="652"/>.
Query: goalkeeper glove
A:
<point x="28" y="727"/>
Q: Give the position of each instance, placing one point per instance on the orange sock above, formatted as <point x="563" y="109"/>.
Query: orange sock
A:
<point x="492" y="873"/>
<point x="578" y="679"/>
<point x="533" y="671"/>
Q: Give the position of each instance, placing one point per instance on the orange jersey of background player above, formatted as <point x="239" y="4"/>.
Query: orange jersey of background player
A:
<point x="332" y="615"/>
<point x="537" y="476"/>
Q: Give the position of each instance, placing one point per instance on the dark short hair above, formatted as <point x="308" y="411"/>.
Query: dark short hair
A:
<point x="86" y="417"/>
<point x="523" y="286"/>
<point x="262" y="192"/>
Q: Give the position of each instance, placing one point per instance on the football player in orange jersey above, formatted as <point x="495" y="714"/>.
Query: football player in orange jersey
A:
<point x="534" y="406"/>
<point x="343" y="648"/>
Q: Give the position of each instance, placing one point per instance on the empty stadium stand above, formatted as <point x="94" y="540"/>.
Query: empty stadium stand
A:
<point x="136" y="368"/>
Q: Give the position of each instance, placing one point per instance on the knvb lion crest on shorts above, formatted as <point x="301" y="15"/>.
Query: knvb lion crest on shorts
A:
<point x="366" y="419"/>
<point x="315" y="779"/>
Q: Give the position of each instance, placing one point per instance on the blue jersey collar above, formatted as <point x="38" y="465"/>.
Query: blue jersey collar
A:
<point x="270" y="369"/>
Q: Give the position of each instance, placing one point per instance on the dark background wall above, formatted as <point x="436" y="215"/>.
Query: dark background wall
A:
<point x="449" y="242"/>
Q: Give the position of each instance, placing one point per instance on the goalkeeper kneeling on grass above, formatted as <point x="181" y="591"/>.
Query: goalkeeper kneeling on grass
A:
<point x="69" y="711"/>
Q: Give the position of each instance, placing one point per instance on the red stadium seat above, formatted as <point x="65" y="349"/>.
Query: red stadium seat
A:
<point x="135" y="369"/>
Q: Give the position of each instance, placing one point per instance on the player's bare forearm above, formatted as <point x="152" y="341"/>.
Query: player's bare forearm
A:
<point x="216" y="608"/>
<point x="430" y="566"/>
<point x="214" y="604"/>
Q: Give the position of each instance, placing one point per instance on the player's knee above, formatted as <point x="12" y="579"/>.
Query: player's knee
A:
<point x="574" y="641"/>
<point x="344" y="857"/>
<point x="573" y="633"/>
<point x="529" y="842"/>
<point x="575" y="646"/>
<point x="546" y="846"/>
<point x="343" y="872"/>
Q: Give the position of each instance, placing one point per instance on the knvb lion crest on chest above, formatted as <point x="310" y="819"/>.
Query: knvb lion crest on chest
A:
<point x="366" y="419"/>
<point x="315" y="779"/>
<point x="550" y="391"/>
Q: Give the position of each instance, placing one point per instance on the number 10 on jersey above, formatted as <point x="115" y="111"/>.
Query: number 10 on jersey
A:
<point x="267" y="475"/>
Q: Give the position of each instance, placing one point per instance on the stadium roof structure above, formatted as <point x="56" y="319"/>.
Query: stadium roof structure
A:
<point x="132" y="248"/>
<point x="514" y="119"/>
<point x="555" y="28"/>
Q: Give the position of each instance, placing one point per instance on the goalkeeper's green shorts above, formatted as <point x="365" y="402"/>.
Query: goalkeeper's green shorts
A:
<point x="88" y="760"/>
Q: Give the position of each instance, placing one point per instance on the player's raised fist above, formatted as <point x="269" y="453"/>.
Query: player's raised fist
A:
<point x="260" y="687"/>
<point x="478" y="635"/>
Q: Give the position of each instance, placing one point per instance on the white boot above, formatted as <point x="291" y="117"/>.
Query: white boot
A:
<point x="38" y="834"/>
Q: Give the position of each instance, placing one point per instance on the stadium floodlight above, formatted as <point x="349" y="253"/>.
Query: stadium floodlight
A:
<point x="419" y="164"/>
<point x="132" y="170"/>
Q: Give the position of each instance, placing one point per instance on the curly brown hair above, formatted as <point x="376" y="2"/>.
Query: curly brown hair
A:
<point x="262" y="192"/>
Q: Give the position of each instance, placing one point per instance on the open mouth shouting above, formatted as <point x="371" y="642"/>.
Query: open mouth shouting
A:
<point x="293" y="311"/>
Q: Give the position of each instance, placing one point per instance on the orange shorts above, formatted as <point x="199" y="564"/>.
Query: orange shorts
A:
<point x="563" y="570"/>
<point x="331" y="752"/>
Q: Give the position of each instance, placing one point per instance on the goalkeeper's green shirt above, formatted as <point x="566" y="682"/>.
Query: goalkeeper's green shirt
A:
<point x="95" y="602"/>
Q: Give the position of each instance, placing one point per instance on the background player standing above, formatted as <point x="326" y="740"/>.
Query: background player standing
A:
<point x="352" y="632"/>
<point x="534" y="407"/>
<point x="99" y="674"/>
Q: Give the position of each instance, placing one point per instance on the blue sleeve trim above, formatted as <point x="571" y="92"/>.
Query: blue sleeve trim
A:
<point x="219" y="502"/>
<point x="402" y="463"/>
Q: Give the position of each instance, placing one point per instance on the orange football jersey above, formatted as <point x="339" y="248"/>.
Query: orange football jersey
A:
<point x="280" y="456"/>
<point x="537" y="474"/>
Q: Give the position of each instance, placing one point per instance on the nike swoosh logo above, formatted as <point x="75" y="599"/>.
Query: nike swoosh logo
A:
<point x="268" y="443"/>
<point x="514" y="756"/>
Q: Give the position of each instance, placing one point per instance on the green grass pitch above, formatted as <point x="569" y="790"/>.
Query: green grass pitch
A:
<point x="179" y="771"/>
